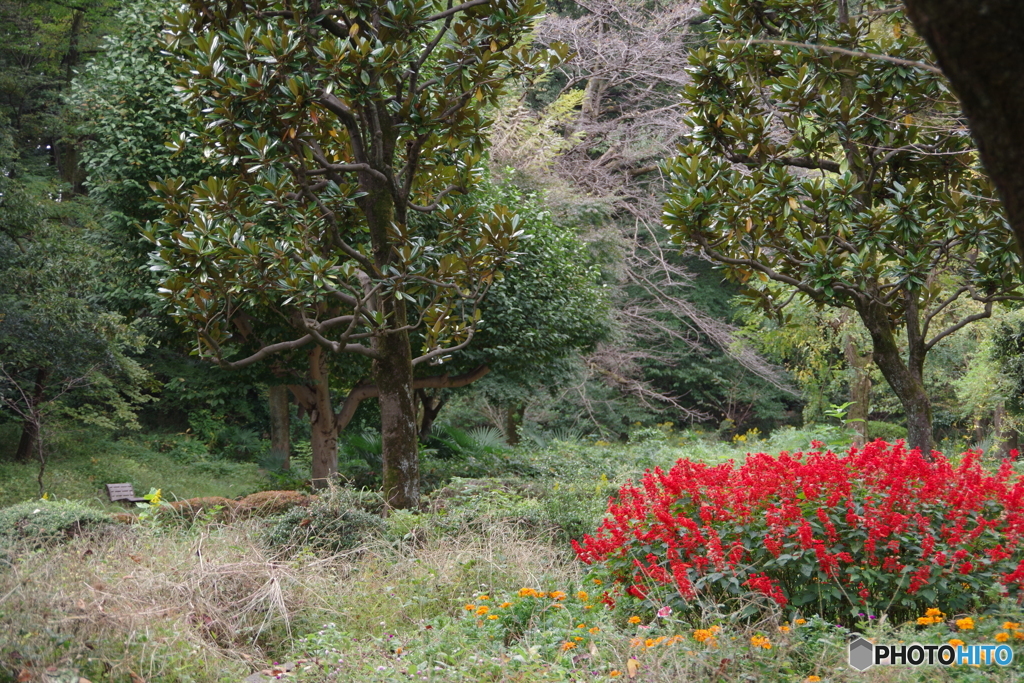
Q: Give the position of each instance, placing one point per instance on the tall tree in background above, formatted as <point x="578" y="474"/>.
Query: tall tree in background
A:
<point x="844" y="179"/>
<point x="341" y="121"/>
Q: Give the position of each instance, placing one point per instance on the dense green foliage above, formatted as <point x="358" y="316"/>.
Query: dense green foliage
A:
<point x="46" y="521"/>
<point x="856" y="194"/>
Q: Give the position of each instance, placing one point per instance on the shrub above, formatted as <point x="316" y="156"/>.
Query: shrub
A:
<point x="43" y="521"/>
<point x="337" y="520"/>
<point x="879" y="530"/>
<point x="886" y="431"/>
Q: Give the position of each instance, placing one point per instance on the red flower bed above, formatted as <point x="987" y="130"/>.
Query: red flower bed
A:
<point x="877" y="530"/>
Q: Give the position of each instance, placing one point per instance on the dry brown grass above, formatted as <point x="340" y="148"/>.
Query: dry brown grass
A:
<point x="210" y="603"/>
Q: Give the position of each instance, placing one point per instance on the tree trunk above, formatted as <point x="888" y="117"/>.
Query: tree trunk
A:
<point x="316" y="400"/>
<point x="280" y="427"/>
<point x="860" y="393"/>
<point x="513" y="419"/>
<point x="905" y="378"/>
<point x="30" y="428"/>
<point x="978" y="45"/>
<point x="394" y="380"/>
<point x="1004" y="436"/>
<point x="431" y="409"/>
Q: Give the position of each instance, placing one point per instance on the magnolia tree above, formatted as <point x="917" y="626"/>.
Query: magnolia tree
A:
<point x="332" y="124"/>
<point x="827" y="161"/>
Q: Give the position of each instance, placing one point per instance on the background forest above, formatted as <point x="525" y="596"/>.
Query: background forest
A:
<point x="369" y="289"/>
<point x="608" y="322"/>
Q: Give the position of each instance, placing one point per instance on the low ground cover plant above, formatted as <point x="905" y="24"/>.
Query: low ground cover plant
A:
<point x="878" y="530"/>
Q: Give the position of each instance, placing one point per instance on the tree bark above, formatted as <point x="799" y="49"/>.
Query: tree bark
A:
<point x="513" y="419"/>
<point x="280" y="424"/>
<point x="315" y="399"/>
<point x="30" y="428"/>
<point x="431" y="409"/>
<point x="980" y="49"/>
<point x="394" y="381"/>
<point x="905" y="378"/>
<point x="860" y="393"/>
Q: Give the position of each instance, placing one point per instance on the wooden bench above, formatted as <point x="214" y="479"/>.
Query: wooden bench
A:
<point x="123" y="493"/>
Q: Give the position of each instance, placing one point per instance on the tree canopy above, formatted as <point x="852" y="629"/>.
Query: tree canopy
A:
<point x="817" y="170"/>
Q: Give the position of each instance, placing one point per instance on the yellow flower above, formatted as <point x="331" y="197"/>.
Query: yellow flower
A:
<point x="558" y="595"/>
<point x="933" y="612"/>
<point x="614" y="673"/>
<point x="567" y="645"/>
<point x="577" y="638"/>
<point x="583" y="596"/>
<point x="800" y="622"/>
<point x="492" y="616"/>
<point x="965" y="624"/>
<point x="527" y="593"/>
<point x="1011" y="625"/>
<point x="504" y="605"/>
<point x="469" y="608"/>
<point x="926" y="621"/>
<point x="956" y="642"/>
<point x="813" y="679"/>
<point x="634" y="619"/>
<point x="761" y="641"/>
<point x="595" y="630"/>
<point x="482" y="610"/>
<point x="1002" y="637"/>
<point x="784" y="629"/>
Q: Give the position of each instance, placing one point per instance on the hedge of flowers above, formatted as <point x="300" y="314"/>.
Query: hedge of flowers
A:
<point x="878" y="530"/>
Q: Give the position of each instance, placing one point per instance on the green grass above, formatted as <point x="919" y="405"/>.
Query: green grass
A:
<point x="82" y="460"/>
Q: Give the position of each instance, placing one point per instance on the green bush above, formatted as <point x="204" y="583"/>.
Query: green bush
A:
<point x="340" y="519"/>
<point x="46" y="521"/>
<point x="886" y="431"/>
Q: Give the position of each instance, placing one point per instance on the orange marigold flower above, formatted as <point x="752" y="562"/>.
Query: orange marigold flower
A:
<point x="1002" y="637"/>
<point x="965" y="624"/>
<point x="469" y="608"/>
<point x="577" y="638"/>
<point x="1018" y="635"/>
<point x="702" y="634"/>
<point x="715" y="629"/>
<point x="614" y="673"/>
<point x="634" y="619"/>
<point x="927" y="621"/>
<point x="800" y="622"/>
<point x="582" y="596"/>
<point x="595" y="630"/>
<point x="636" y="642"/>
<point x="1011" y="625"/>
<point x="933" y="612"/>
<point x="581" y="625"/>
<point x="761" y="641"/>
<point x="504" y="605"/>
<point x="567" y="645"/>
<point x="813" y="679"/>
<point x="558" y="595"/>
<point x="527" y="593"/>
<point x="956" y="642"/>
<point x="492" y="616"/>
<point x="482" y="610"/>
<point x="597" y="582"/>
<point x="784" y="629"/>
<point x="484" y="597"/>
